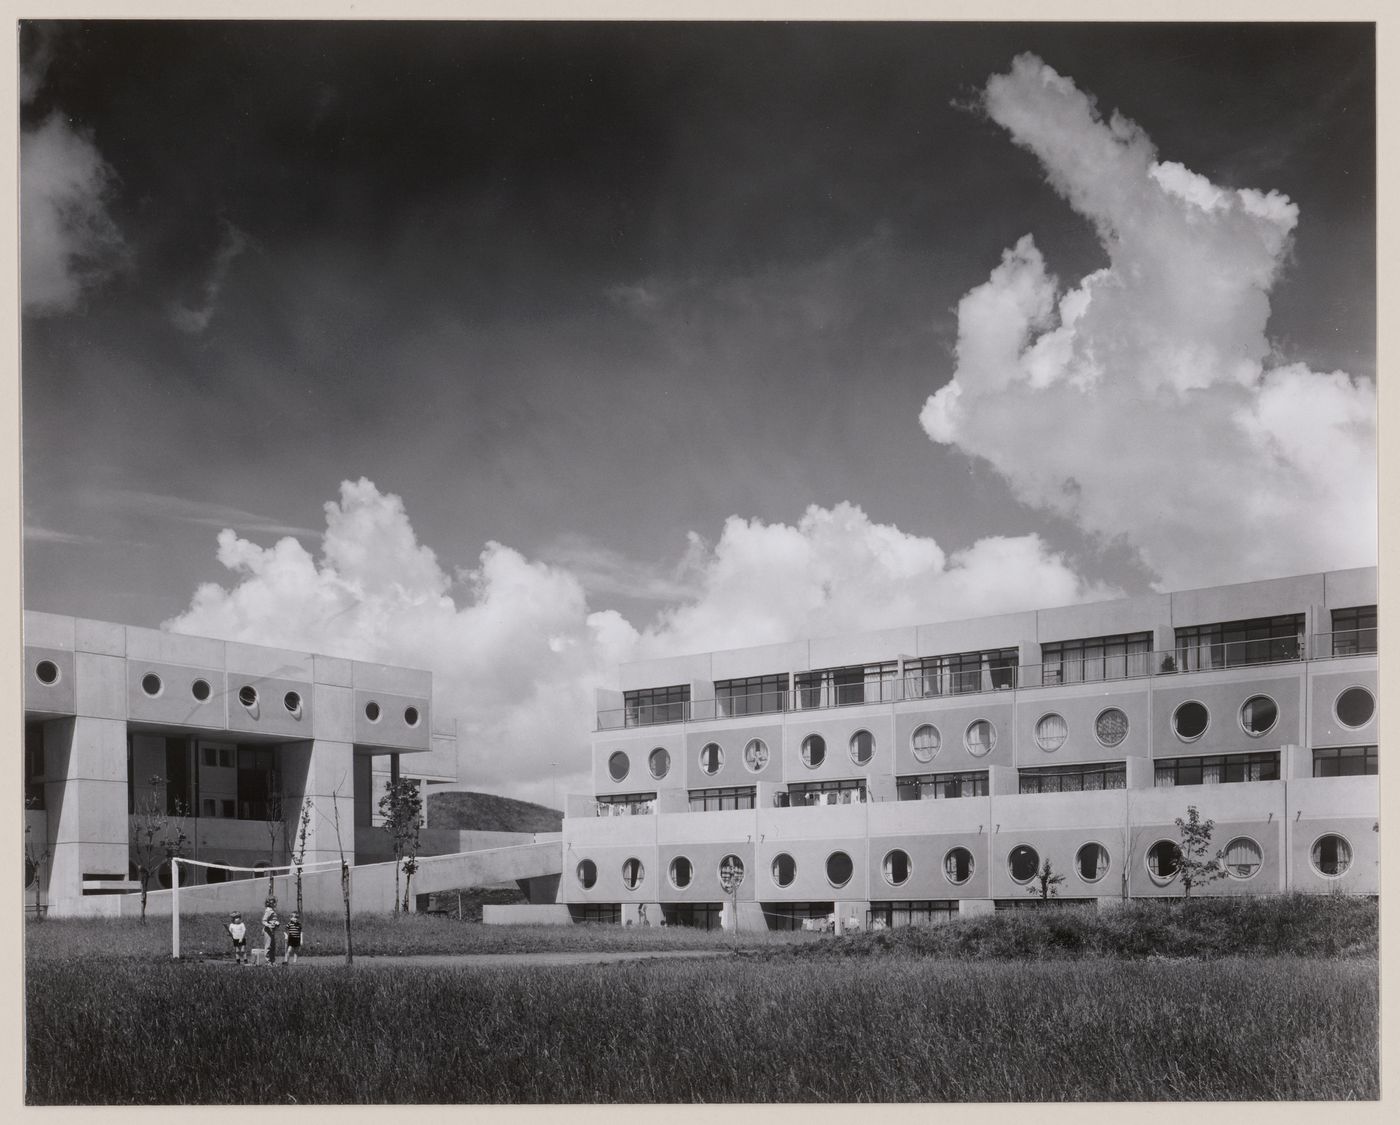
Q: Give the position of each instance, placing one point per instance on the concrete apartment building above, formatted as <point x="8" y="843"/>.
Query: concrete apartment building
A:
<point x="912" y="774"/>
<point x="108" y="708"/>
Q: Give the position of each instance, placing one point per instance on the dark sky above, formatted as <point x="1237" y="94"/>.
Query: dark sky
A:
<point x="586" y="287"/>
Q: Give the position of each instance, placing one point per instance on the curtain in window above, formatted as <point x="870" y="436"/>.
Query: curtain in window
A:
<point x="1051" y="732"/>
<point x="1243" y="857"/>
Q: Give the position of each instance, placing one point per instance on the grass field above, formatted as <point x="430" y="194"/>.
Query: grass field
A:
<point x="952" y="1013"/>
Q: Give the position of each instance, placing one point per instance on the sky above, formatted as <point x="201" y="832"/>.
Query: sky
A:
<point x="515" y="351"/>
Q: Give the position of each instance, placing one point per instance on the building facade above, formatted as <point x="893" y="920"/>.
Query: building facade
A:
<point x="122" y="720"/>
<point x="913" y="774"/>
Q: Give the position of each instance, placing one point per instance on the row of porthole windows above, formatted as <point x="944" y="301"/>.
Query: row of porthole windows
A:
<point x="1258" y="715"/>
<point x="1242" y="858"/>
<point x="153" y="686"/>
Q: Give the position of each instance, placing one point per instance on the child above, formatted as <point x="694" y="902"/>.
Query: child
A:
<point x="289" y="955"/>
<point x="270" y="922"/>
<point x="239" y="933"/>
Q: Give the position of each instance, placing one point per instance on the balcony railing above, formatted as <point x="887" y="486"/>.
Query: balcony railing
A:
<point x="1347" y="642"/>
<point x="935" y="685"/>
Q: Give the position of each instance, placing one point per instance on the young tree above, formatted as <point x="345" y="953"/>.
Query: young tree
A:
<point x="303" y="828"/>
<point x="276" y="823"/>
<point x="1193" y="861"/>
<point x="344" y="871"/>
<point x="34" y="861"/>
<point x="157" y="834"/>
<point x="402" y="810"/>
<point x="1045" y="882"/>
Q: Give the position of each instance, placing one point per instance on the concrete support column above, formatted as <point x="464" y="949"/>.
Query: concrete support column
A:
<point x="85" y="794"/>
<point x="323" y="773"/>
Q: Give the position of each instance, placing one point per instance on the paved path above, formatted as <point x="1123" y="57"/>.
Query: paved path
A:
<point x="494" y="960"/>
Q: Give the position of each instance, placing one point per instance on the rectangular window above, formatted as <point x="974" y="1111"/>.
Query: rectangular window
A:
<point x="791" y="915"/>
<point x="1121" y="656"/>
<point x="34" y="766"/>
<point x="800" y="794"/>
<point x="1354" y="630"/>
<point x="1345" y="761"/>
<point x="258" y="783"/>
<point x="627" y="804"/>
<point x="754" y="695"/>
<point x="961" y="673"/>
<point x="1232" y="644"/>
<point x="609" y="913"/>
<point x="1074" y="779"/>
<point x="841" y="687"/>
<point x="208" y="807"/>
<point x="942" y="786"/>
<point x="696" y="915"/>
<point x="656" y="705"/>
<point x="721" y="800"/>
<point x="918" y="912"/>
<point x="1216" y="769"/>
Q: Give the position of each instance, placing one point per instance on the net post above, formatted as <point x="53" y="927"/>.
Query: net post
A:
<point x="175" y="907"/>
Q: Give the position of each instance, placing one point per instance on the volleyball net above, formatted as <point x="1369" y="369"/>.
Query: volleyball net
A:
<point x="238" y="883"/>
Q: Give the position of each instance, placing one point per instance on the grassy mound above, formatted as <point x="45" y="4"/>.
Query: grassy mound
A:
<point x="485" y="812"/>
<point x="1207" y="928"/>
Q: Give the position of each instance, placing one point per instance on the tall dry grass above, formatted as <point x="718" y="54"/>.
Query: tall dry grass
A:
<point x="718" y="1030"/>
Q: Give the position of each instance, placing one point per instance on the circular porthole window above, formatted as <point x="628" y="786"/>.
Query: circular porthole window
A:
<point x="659" y="762"/>
<point x="46" y="672"/>
<point x="1331" y="855"/>
<point x="1190" y="720"/>
<point x="1051" y="732"/>
<point x="813" y="750"/>
<point x="980" y="737"/>
<point x="862" y="747"/>
<point x="926" y="742"/>
<point x="200" y="690"/>
<point x="618" y="765"/>
<point x="958" y="866"/>
<point x="1163" y="860"/>
<point x="372" y="711"/>
<point x="1242" y="858"/>
<point x="897" y="867"/>
<point x="755" y="755"/>
<point x="150" y="684"/>
<point x="1258" y="715"/>
<point x="1091" y="862"/>
<point x="215" y="874"/>
<point x="1355" y="706"/>
<point x="292" y="702"/>
<point x="839" y="869"/>
<point x="410" y="716"/>
<point x="1111" y="727"/>
<point x="248" y="695"/>
<point x="1023" y="862"/>
<point x="711" y="757"/>
<point x="587" y="872"/>
<point x="784" y="869"/>
<point x="680" y="872"/>
<point x="633" y="873"/>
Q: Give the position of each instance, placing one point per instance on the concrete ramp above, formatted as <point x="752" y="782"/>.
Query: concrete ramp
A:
<point x="371" y="884"/>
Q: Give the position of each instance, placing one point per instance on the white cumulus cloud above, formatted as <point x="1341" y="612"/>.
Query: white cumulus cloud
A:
<point x="1145" y="402"/>
<point x="518" y="656"/>
<point x="68" y="240"/>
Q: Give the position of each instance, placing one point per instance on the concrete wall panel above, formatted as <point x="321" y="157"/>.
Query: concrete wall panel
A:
<point x="1325" y="685"/>
<point x="99" y="686"/>
<point x="174" y="701"/>
<point x="58" y="697"/>
<point x="392" y="728"/>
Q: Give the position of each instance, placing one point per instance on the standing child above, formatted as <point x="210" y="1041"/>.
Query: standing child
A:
<point x="270" y="923"/>
<point x="289" y="955"/>
<point x="239" y="933"/>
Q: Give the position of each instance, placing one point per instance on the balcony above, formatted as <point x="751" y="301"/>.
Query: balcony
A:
<point x="1184" y="659"/>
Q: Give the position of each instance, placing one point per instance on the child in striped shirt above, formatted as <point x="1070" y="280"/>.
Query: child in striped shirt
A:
<point x="289" y="954"/>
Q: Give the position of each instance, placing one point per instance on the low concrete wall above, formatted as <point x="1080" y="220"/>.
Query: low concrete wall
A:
<point x="371" y="885"/>
<point x="526" y="914"/>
